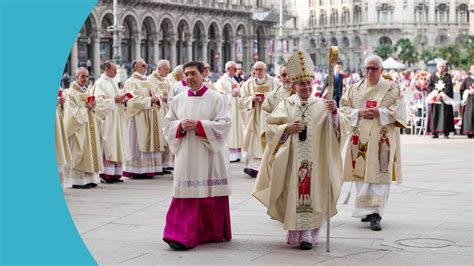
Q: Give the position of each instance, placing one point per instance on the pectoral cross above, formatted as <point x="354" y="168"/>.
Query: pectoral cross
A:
<point x="440" y="85"/>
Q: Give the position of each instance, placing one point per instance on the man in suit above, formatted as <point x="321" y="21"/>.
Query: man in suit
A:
<point x="338" y="82"/>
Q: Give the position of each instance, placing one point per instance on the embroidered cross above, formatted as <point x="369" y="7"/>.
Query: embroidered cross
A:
<point x="440" y="85"/>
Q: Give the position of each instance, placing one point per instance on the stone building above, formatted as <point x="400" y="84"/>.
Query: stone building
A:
<point x="359" y="26"/>
<point x="215" y="31"/>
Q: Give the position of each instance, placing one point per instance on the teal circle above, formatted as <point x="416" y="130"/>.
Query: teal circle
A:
<point x="36" y="38"/>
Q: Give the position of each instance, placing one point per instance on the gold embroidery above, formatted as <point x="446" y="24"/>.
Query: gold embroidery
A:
<point x="156" y="139"/>
<point x="93" y="143"/>
<point x="370" y="201"/>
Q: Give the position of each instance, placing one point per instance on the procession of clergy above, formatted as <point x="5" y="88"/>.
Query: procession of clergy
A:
<point x="182" y="122"/>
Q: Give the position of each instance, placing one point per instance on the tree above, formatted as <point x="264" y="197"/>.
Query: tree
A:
<point x="406" y="52"/>
<point x="427" y="55"/>
<point x="384" y="51"/>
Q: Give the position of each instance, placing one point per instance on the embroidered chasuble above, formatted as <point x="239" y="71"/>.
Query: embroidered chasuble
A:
<point x="148" y="117"/>
<point x="161" y="86"/>
<point x="201" y="161"/>
<point x="373" y="149"/>
<point x="225" y="85"/>
<point x="254" y="137"/>
<point x="292" y="179"/>
<point x="272" y="100"/>
<point x="112" y="123"/>
<point x="82" y="130"/>
<point x="63" y="153"/>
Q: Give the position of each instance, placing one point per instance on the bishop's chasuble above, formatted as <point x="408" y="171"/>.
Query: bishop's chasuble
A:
<point x="373" y="157"/>
<point x="82" y="131"/>
<point x="226" y="85"/>
<point x="164" y="86"/>
<point x="145" y="121"/>
<point x="254" y="135"/>
<point x="113" y="127"/>
<point x="292" y="179"/>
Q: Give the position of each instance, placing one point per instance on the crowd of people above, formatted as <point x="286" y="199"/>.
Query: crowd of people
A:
<point x="182" y="123"/>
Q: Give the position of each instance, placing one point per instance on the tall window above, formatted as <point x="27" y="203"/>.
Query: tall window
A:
<point x="357" y="14"/>
<point x="442" y="14"/>
<point x="462" y="14"/>
<point x="384" y="14"/>
<point x="322" y="18"/>
<point x="259" y="3"/>
<point x="421" y="14"/>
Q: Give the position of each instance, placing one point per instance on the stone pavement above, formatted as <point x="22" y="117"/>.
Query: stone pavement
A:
<point x="429" y="219"/>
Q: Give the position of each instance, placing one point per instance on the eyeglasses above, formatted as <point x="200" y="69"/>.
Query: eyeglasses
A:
<point x="207" y="67"/>
<point x="371" y="69"/>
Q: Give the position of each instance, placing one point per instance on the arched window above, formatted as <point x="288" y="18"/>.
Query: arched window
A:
<point x="385" y="40"/>
<point x="442" y="14"/>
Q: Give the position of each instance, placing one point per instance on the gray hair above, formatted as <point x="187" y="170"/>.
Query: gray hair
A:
<point x="441" y="63"/>
<point x="374" y="58"/>
<point x="79" y="70"/>
<point x="230" y="64"/>
<point x="178" y="68"/>
<point x="135" y="62"/>
<point x="260" y="63"/>
<point x="163" y="62"/>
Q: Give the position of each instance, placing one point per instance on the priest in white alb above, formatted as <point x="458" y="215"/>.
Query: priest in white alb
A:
<point x="196" y="128"/>
<point x="373" y="159"/>
<point x="145" y="117"/>
<point x="110" y="110"/>
<point x="229" y="87"/>
<point x="82" y="130"/>
<point x="254" y="92"/>
<point x="293" y="179"/>
<point x="159" y="81"/>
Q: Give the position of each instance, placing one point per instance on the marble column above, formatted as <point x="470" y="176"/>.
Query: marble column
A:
<point x="137" y="45"/>
<point x="96" y="56"/>
<point x="174" y="55"/>
<point x="232" y="49"/>
<point x="190" y="48"/>
<point x="204" y="49"/>
<point x="156" y="49"/>
<point x="74" y="60"/>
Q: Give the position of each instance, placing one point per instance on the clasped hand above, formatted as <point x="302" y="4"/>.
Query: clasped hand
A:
<point x="369" y="113"/>
<point x="188" y="124"/>
<point x="295" y="127"/>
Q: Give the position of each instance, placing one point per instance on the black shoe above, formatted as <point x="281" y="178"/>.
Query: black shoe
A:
<point x="81" y="186"/>
<point x="306" y="246"/>
<point x="160" y="173"/>
<point x="169" y="168"/>
<point x="166" y="172"/>
<point x="118" y="181"/>
<point x="365" y="219"/>
<point x="92" y="184"/>
<point x="250" y="172"/>
<point x="236" y="161"/>
<point x="446" y="136"/>
<point x="177" y="246"/>
<point x="375" y="222"/>
<point x="470" y="136"/>
<point x="435" y="136"/>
